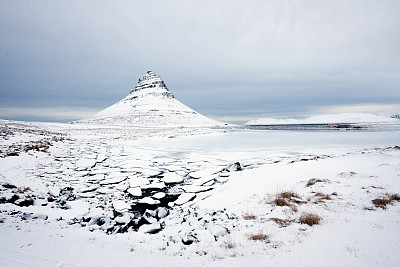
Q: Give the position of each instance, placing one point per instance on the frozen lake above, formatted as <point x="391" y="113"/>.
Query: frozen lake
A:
<point x="265" y="140"/>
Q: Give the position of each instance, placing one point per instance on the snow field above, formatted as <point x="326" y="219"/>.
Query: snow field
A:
<point x="222" y="214"/>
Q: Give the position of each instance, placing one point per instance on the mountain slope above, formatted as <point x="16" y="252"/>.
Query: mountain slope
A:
<point x="151" y="104"/>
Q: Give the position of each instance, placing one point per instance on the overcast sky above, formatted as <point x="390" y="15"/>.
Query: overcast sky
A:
<point x="230" y="60"/>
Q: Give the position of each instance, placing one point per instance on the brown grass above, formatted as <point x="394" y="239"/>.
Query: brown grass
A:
<point x="288" y="195"/>
<point x="249" y="217"/>
<point x="322" y="197"/>
<point x="259" y="237"/>
<point x="309" y="218"/>
<point x="281" y="222"/>
<point x="281" y="202"/>
<point x="385" y="200"/>
<point x="287" y="198"/>
<point x="230" y="243"/>
<point x="313" y="181"/>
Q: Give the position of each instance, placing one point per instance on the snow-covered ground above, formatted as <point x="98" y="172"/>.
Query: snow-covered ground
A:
<point x="79" y="195"/>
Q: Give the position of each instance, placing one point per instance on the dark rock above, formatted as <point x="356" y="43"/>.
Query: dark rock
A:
<point x="188" y="238"/>
<point x="14" y="198"/>
<point x="67" y="193"/>
<point x="237" y="166"/>
<point x="25" y="202"/>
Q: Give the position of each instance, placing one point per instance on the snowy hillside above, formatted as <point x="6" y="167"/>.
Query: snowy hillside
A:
<point x="359" y="118"/>
<point x="151" y="104"/>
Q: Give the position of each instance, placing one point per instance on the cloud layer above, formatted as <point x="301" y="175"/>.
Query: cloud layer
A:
<point x="223" y="58"/>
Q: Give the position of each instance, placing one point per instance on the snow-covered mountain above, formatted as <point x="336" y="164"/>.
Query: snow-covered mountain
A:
<point x="151" y="104"/>
<point x="359" y="118"/>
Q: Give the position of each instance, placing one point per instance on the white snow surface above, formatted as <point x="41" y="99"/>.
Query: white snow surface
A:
<point x="151" y="104"/>
<point x="327" y="119"/>
<point x="211" y="221"/>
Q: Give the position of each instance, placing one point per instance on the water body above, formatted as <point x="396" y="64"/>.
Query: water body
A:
<point x="269" y="140"/>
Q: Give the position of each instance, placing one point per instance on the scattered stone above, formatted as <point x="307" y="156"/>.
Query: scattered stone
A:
<point x="149" y="201"/>
<point x="135" y="191"/>
<point x="185" y="197"/>
<point x="121" y="206"/>
<point x="172" y="178"/>
<point x="188" y="238"/>
<point x="85" y="163"/>
<point x="114" y="180"/>
<point x="160" y="185"/>
<point x="150" y="228"/>
<point x="217" y="231"/>
<point x="135" y="182"/>
<point x="31" y="216"/>
<point x="159" y="195"/>
<point x="26" y="202"/>
<point x="221" y="179"/>
<point x="203" y="181"/>
<point x="204" y="173"/>
<point x="89" y="189"/>
<point x="162" y="212"/>
<point x="85" y="195"/>
<point x="196" y="188"/>
<point x="149" y="217"/>
<point x="234" y="167"/>
<point x="123" y="219"/>
<point x="122" y="187"/>
<point x="66" y="194"/>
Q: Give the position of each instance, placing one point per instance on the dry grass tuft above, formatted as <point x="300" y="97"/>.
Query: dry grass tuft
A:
<point x="288" y="195"/>
<point x="385" y="200"/>
<point x="313" y="181"/>
<point x="259" y="237"/>
<point x="281" y="202"/>
<point x="309" y="218"/>
<point x="281" y="222"/>
<point x="321" y="197"/>
<point x="230" y="243"/>
<point x="249" y="217"/>
<point x="288" y="199"/>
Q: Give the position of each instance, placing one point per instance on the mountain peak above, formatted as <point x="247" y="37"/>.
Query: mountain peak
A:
<point x="152" y="84"/>
<point x="151" y="104"/>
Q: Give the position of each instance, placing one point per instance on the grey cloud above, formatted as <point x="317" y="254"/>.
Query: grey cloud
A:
<point x="218" y="57"/>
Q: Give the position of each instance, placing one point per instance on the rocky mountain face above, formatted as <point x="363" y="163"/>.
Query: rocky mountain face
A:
<point x="151" y="104"/>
